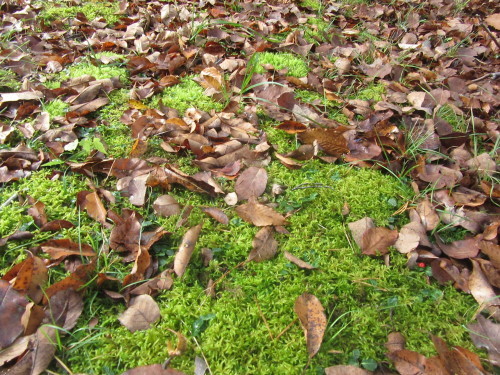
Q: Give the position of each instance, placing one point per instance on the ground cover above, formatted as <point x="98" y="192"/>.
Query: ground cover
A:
<point x="265" y="171"/>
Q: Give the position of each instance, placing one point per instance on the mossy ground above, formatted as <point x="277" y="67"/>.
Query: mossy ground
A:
<point x="363" y="299"/>
<point x="296" y="66"/>
<point x="59" y="11"/>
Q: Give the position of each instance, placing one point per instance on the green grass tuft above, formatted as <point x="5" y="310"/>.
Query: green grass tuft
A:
<point x="58" y="11"/>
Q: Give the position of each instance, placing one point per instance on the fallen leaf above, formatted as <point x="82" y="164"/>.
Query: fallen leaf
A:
<point x="60" y="249"/>
<point x="31" y="277"/>
<point x="313" y="320"/>
<point x="217" y="214"/>
<point x="346" y="370"/>
<point x="462" y="249"/>
<point x="480" y="288"/>
<point x="428" y="215"/>
<point x="292" y="127"/>
<point x="251" y="183"/>
<point x="264" y="245"/>
<point x="181" y="346"/>
<point x="259" y="214"/>
<point x="15" y="350"/>
<point x="64" y="308"/>
<point x="142" y="312"/>
<point x="298" y="262"/>
<point x="330" y="140"/>
<point x="395" y="342"/>
<point x="12" y="308"/>
<point x="408" y="362"/>
<point x="486" y="334"/>
<point x="90" y="202"/>
<point x="166" y="206"/>
<point x="186" y="249"/>
<point x="409" y="238"/>
<point x="358" y="228"/>
<point x="376" y="241"/>
<point x="493" y="20"/>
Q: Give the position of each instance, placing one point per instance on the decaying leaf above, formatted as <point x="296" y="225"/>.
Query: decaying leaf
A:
<point x="486" y="334"/>
<point x="217" y="214"/>
<point x="181" y="346"/>
<point x="142" y="312"/>
<point x="251" y="183"/>
<point x="12" y="307"/>
<point x="90" y="202"/>
<point x="59" y="249"/>
<point x="376" y="241"/>
<point x="346" y="370"/>
<point x="156" y="369"/>
<point x="313" y="320"/>
<point x="358" y="228"/>
<point x="186" y="249"/>
<point x="264" y="245"/>
<point x="298" y="262"/>
<point x="259" y="214"/>
<point x="165" y="205"/>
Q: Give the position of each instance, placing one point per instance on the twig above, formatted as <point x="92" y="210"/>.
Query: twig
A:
<point x="489" y="75"/>
<point x="491" y="35"/>
<point x="264" y="318"/>
<point x="286" y="329"/>
<point x="229" y="271"/>
<point x="8" y="201"/>
<point x="310" y="186"/>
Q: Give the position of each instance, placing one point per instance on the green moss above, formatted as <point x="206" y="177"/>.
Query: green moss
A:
<point x="369" y="299"/>
<point x="8" y="81"/>
<point x="186" y="94"/>
<point x="57" y="10"/>
<point x="56" y="108"/>
<point x="373" y="92"/>
<point x="296" y="66"/>
<point x="333" y="109"/>
<point x="312" y="4"/>
<point x="98" y="72"/>
<point x="316" y="30"/>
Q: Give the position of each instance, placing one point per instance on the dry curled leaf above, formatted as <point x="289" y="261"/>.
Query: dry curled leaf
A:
<point x="251" y="183"/>
<point x="298" y="262"/>
<point x="186" y="249"/>
<point x="259" y="214"/>
<point x="313" y="320"/>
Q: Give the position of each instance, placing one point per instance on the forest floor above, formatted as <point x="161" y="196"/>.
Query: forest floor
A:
<point x="259" y="187"/>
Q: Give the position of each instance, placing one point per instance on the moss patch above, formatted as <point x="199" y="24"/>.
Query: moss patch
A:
<point x="56" y="108"/>
<point x="186" y="94"/>
<point x="364" y="299"/>
<point x="57" y="10"/>
<point x="295" y="65"/>
<point x="8" y="81"/>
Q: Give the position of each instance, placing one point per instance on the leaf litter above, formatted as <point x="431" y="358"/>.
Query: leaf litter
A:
<point x="406" y="132"/>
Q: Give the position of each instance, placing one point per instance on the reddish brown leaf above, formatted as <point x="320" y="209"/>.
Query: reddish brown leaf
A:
<point x="30" y="278"/>
<point x="264" y="245"/>
<point x="142" y="312"/>
<point x="288" y="162"/>
<point x="186" y="249"/>
<point x="330" y="140"/>
<point x="56" y="225"/>
<point x="463" y="249"/>
<point x="408" y="362"/>
<point x="165" y="205"/>
<point x="298" y="262"/>
<point x="90" y="202"/>
<point x="74" y="281"/>
<point x="259" y="214"/>
<point x="12" y="307"/>
<point x="251" y="183"/>
<point x="217" y="214"/>
<point x="313" y="320"/>
<point x="292" y="127"/>
<point x="376" y="241"/>
<point x="358" y="228"/>
<point x="60" y="249"/>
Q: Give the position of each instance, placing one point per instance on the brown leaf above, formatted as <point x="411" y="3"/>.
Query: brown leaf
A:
<point x="408" y="362"/>
<point x="493" y="20"/>
<point x="313" y="320"/>
<point x="37" y="212"/>
<point x="181" y="346"/>
<point x="480" y="288"/>
<point x="330" y="140"/>
<point x="395" y="342"/>
<point x="428" y="215"/>
<point x="15" y="350"/>
<point x="142" y="312"/>
<point x="186" y="249"/>
<point x="30" y="278"/>
<point x="346" y="370"/>
<point x="259" y="214"/>
<point x="217" y="214"/>
<point x="90" y="202"/>
<point x="463" y="249"/>
<point x="163" y="281"/>
<point x="298" y="262"/>
<point x="288" y="162"/>
<point x="56" y="225"/>
<point x="251" y="183"/>
<point x="264" y="245"/>
<point x="153" y="370"/>
<point x="492" y="250"/>
<point x="376" y="241"/>
<point x="409" y="238"/>
<point x="64" y="308"/>
<point x="74" y="281"/>
<point x="486" y="334"/>
<point x="60" y="249"/>
<point x="12" y="307"/>
<point x="166" y="206"/>
<point x="358" y="228"/>
<point x="126" y="233"/>
<point x="292" y="127"/>
<point x="141" y="264"/>
<point x="457" y="360"/>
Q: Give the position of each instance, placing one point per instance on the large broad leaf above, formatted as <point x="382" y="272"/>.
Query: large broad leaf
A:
<point x="259" y="214"/>
<point x="313" y="320"/>
<point x="251" y="183"/>
<point x="264" y="245"/>
<point x="12" y="308"/>
<point x="141" y="313"/>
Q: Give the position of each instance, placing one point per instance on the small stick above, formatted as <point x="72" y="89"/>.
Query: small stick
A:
<point x="229" y="271"/>
<point x="491" y="35"/>
<point x="309" y="186"/>
<point x="264" y="318"/>
<point x="286" y="329"/>
<point x="489" y="75"/>
<point x="8" y="201"/>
